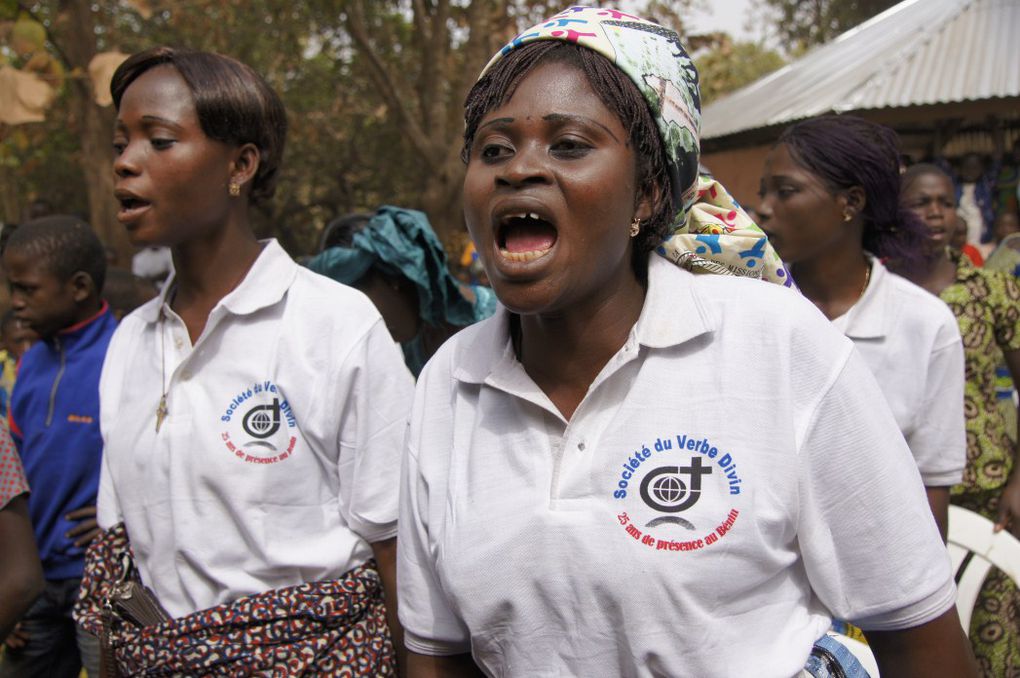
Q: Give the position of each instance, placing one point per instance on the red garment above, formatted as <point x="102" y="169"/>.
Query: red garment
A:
<point x="974" y="255"/>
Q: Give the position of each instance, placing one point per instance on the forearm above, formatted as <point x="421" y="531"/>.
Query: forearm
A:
<point x="454" y="666"/>
<point x="937" y="649"/>
<point x="938" y="500"/>
<point x="386" y="560"/>
<point x="22" y="577"/>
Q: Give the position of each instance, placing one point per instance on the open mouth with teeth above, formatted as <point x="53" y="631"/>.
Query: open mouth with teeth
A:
<point x="129" y="204"/>
<point x="525" y="237"/>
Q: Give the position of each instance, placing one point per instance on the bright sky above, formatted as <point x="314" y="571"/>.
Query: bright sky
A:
<point x="731" y="16"/>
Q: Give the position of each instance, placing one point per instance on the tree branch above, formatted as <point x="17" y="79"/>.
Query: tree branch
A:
<point x="382" y="79"/>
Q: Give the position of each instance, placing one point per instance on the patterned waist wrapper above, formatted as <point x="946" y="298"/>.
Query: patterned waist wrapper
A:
<point x="326" y="628"/>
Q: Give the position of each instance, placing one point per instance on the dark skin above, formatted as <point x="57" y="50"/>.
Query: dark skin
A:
<point x="46" y="304"/>
<point x="181" y="176"/>
<point x="808" y="225"/>
<point x="396" y="299"/>
<point x="571" y="164"/>
<point x="160" y="146"/>
<point x="820" y="233"/>
<point x="932" y="198"/>
<point x="18" y="338"/>
<point x="578" y="300"/>
<point x="939" y="649"/>
<point x="22" y="579"/>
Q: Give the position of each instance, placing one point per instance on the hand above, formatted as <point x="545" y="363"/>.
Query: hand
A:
<point x="88" y="528"/>
<point x="1009" y="508"/>
<point x="17" y="639"/>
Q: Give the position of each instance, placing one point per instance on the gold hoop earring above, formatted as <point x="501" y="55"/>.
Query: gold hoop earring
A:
<point x="635" y="227"/>
<point x="235" y="189"/>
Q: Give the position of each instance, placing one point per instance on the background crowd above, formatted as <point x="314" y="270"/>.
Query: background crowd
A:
<point x="108" y="372"/>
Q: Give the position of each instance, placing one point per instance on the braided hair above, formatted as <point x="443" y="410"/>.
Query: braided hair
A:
<point x="618" y="93"/>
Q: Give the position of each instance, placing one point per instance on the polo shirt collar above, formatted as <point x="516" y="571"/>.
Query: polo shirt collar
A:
<point x="672" y="314"/>
<point x="869" y="317"/>
<point x="266" y="282"/>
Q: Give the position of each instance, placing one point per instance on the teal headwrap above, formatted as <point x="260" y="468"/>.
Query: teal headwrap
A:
<point x="401" y="242"/>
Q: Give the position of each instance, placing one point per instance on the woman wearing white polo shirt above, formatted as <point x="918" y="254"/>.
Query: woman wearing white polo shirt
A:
<point x="830" y="203"/>
<point x="631" y="469"/>
<point x="252" y="414"/>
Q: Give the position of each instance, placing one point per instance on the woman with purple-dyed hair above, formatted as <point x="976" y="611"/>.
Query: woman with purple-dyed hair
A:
<point x="830" y="203"/>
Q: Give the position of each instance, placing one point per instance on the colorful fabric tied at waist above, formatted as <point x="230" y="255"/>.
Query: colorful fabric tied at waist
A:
<point x="717" y="236"/>
<point x="326" y="628"/>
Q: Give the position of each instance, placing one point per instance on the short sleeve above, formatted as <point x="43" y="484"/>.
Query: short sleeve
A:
<point x="12" y="475"/>
<point x="379" y="391"/>
<point x="108" y="509"/>
<point x="431" y="627"/>
<point x="938" y="438"/>
<point x="870" y="546"/>
<point x="1005" y="304"/>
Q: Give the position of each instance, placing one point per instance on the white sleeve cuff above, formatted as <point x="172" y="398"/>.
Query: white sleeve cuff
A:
<point x="942" y="478"/>
<point x="914" y="615"/>
<point x="433" y="648"/>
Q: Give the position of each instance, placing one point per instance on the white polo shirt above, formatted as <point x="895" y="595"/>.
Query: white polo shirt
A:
<point x="279" y="461"/>
<point x="729" y="482"/>
<point x="910" y="340"/>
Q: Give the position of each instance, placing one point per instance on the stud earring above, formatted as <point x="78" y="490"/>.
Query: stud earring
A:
<point x="235" y="189"/>
<point x="848" y="215"/>
<point x="635" y="227"/>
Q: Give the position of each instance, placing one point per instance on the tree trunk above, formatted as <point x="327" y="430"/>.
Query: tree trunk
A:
<point x="75" y="31"/>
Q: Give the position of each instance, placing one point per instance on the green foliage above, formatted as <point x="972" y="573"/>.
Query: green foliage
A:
<point x="373" y="88"/>
<point x="729" y="66"/>
<point x="802" y="24"/>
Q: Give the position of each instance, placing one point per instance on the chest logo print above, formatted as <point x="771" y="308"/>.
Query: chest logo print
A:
<point x="262" y="421"/>
<point x="260" y="427"/>
<point x="669" y="492"/>
<point x="687" y="493"/>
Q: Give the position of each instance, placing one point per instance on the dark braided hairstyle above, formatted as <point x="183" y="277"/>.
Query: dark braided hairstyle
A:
<point x="846" y="151"/>
<point x="617" y="93"/>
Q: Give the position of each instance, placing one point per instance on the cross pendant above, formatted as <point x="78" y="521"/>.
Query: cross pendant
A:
<point x="161" y="412"/>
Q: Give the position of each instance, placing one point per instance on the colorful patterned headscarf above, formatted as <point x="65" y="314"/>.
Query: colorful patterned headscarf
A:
<point x="710" y="233"/>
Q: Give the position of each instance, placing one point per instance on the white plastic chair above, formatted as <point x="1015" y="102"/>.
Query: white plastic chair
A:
<point x="973" y="549"/>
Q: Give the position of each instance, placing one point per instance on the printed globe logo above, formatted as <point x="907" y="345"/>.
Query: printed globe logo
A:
<point x="678" y="494"/>
<point x="669" y="490"/>
<point x="259" y="424"/>
<point x="664" y="489"/>
<point x="263" y="421"/>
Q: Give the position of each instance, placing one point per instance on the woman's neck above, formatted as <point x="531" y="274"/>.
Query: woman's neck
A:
<point x="563" y="353"/>
<point x="834" y="283"/>
<point x="208" y="269"/>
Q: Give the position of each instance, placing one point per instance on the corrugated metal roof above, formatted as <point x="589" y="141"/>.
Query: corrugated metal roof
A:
<point x="917" y="52"/>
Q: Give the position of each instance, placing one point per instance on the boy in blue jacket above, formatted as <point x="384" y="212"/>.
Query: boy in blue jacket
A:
<point x="55" y="268"/>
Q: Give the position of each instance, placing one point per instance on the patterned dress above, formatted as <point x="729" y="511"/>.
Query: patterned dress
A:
<point x="987" y="308"/>
<point x="12" y="476"/>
